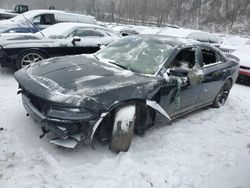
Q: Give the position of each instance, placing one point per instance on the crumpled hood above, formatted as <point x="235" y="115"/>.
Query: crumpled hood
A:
<point x="76" y="79"/>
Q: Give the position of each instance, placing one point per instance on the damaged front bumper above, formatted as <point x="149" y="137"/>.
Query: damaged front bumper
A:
<point x="69" y="133"/>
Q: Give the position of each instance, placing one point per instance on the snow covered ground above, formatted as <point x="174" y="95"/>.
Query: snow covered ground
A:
<point x="206" y="149"/>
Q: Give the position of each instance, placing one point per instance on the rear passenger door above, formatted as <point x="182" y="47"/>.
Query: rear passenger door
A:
<point x="215" y="71"/>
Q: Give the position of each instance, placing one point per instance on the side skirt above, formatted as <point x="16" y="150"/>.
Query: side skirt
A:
<point x="192" y="110"/>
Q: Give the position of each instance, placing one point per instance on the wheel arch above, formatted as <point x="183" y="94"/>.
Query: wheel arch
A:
<point x="230" y="78"/>
<point x="141" y="103"/>
<point x="30" y="50"/>
<point x="46" y="53"/>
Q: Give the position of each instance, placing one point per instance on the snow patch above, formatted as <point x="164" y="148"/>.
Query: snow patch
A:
<point x="125" y="115"/>
<point x="55" y="91"/>
<point x="87" y="78"/>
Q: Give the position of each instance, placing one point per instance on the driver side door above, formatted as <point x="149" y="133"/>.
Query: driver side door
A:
<point x="180" y="94"/>
<point x="81" y="41"/>
<point x="88" y="37"/>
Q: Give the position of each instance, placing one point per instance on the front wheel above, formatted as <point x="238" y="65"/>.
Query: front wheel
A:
<point x="222" y="96"/>
<point x="123" y="128"/>
<point x="28" y="58"/>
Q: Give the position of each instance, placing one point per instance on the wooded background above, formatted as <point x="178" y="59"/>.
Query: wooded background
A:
<point x="228" y="16"/>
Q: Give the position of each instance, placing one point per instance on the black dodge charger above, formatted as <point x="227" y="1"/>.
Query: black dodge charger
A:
<point x="121" y="89"/>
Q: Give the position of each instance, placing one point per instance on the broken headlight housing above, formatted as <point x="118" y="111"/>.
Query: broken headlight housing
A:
<point x="70" y="113"/>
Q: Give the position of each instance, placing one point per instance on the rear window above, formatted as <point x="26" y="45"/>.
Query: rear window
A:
<point x="210" y="57"/>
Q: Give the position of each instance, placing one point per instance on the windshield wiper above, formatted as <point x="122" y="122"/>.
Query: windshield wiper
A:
<point x="96" y="57"/>
<point x="28" y="21"/>
<point x="119" y="65"/>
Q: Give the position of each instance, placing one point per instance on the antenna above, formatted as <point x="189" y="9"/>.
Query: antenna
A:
<point x="27" y="20"/>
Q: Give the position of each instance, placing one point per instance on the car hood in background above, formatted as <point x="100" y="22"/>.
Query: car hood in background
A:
<point x="73" y="80"/>
<point x="244" y="58"/>
<point x="22" y="41"/>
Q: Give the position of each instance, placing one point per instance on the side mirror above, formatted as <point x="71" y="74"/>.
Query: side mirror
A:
<point x="179" y="72"/>
<point x="76" y="39"/>
<point x="124" y="34"/>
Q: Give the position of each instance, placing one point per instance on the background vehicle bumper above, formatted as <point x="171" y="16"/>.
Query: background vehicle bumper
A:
<point x="244" y="72"/>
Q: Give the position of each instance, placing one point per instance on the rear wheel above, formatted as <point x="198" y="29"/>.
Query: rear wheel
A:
<point x="123" y="128"/>
<point x="222" y="96"/>
<point x="28" y="58"/>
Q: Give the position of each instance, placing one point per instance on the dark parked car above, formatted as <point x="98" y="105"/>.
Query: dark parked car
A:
<point x="58" y="40"/>
<point x="7" y="14"/>
<point x="121" y="88"/>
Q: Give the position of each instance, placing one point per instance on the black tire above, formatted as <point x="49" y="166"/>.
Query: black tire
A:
<point x="121" y="140"/>
<point x="37" y="56"/>
<point x="222" y="96"/>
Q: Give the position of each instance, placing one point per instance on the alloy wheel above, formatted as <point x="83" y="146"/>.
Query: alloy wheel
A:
<point x="30" y="58"/>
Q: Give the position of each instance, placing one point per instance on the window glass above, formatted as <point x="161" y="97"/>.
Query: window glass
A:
<point x="142" y="55"/>
<point x="185" y="58"/>
<point x="37" y="20"/>
<point x="24" y="8"/>
<point x="87" y="33"/>
<point x="46" y="19"/>
<point x="188" y="60"/>
<point x="210" y="57"/>
<point x="218" y="57"/>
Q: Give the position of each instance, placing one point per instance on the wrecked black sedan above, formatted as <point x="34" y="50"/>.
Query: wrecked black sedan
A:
<point x="123" y="88"/>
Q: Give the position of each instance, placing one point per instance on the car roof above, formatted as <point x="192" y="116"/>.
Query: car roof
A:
<point x="175" y="32"/>
<point x="65" y="27"/>
<point x="172" y="40"/>
<point x="73" y="25"/>
<point x="189" y="33"/>
<point x="32" y="13"/>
